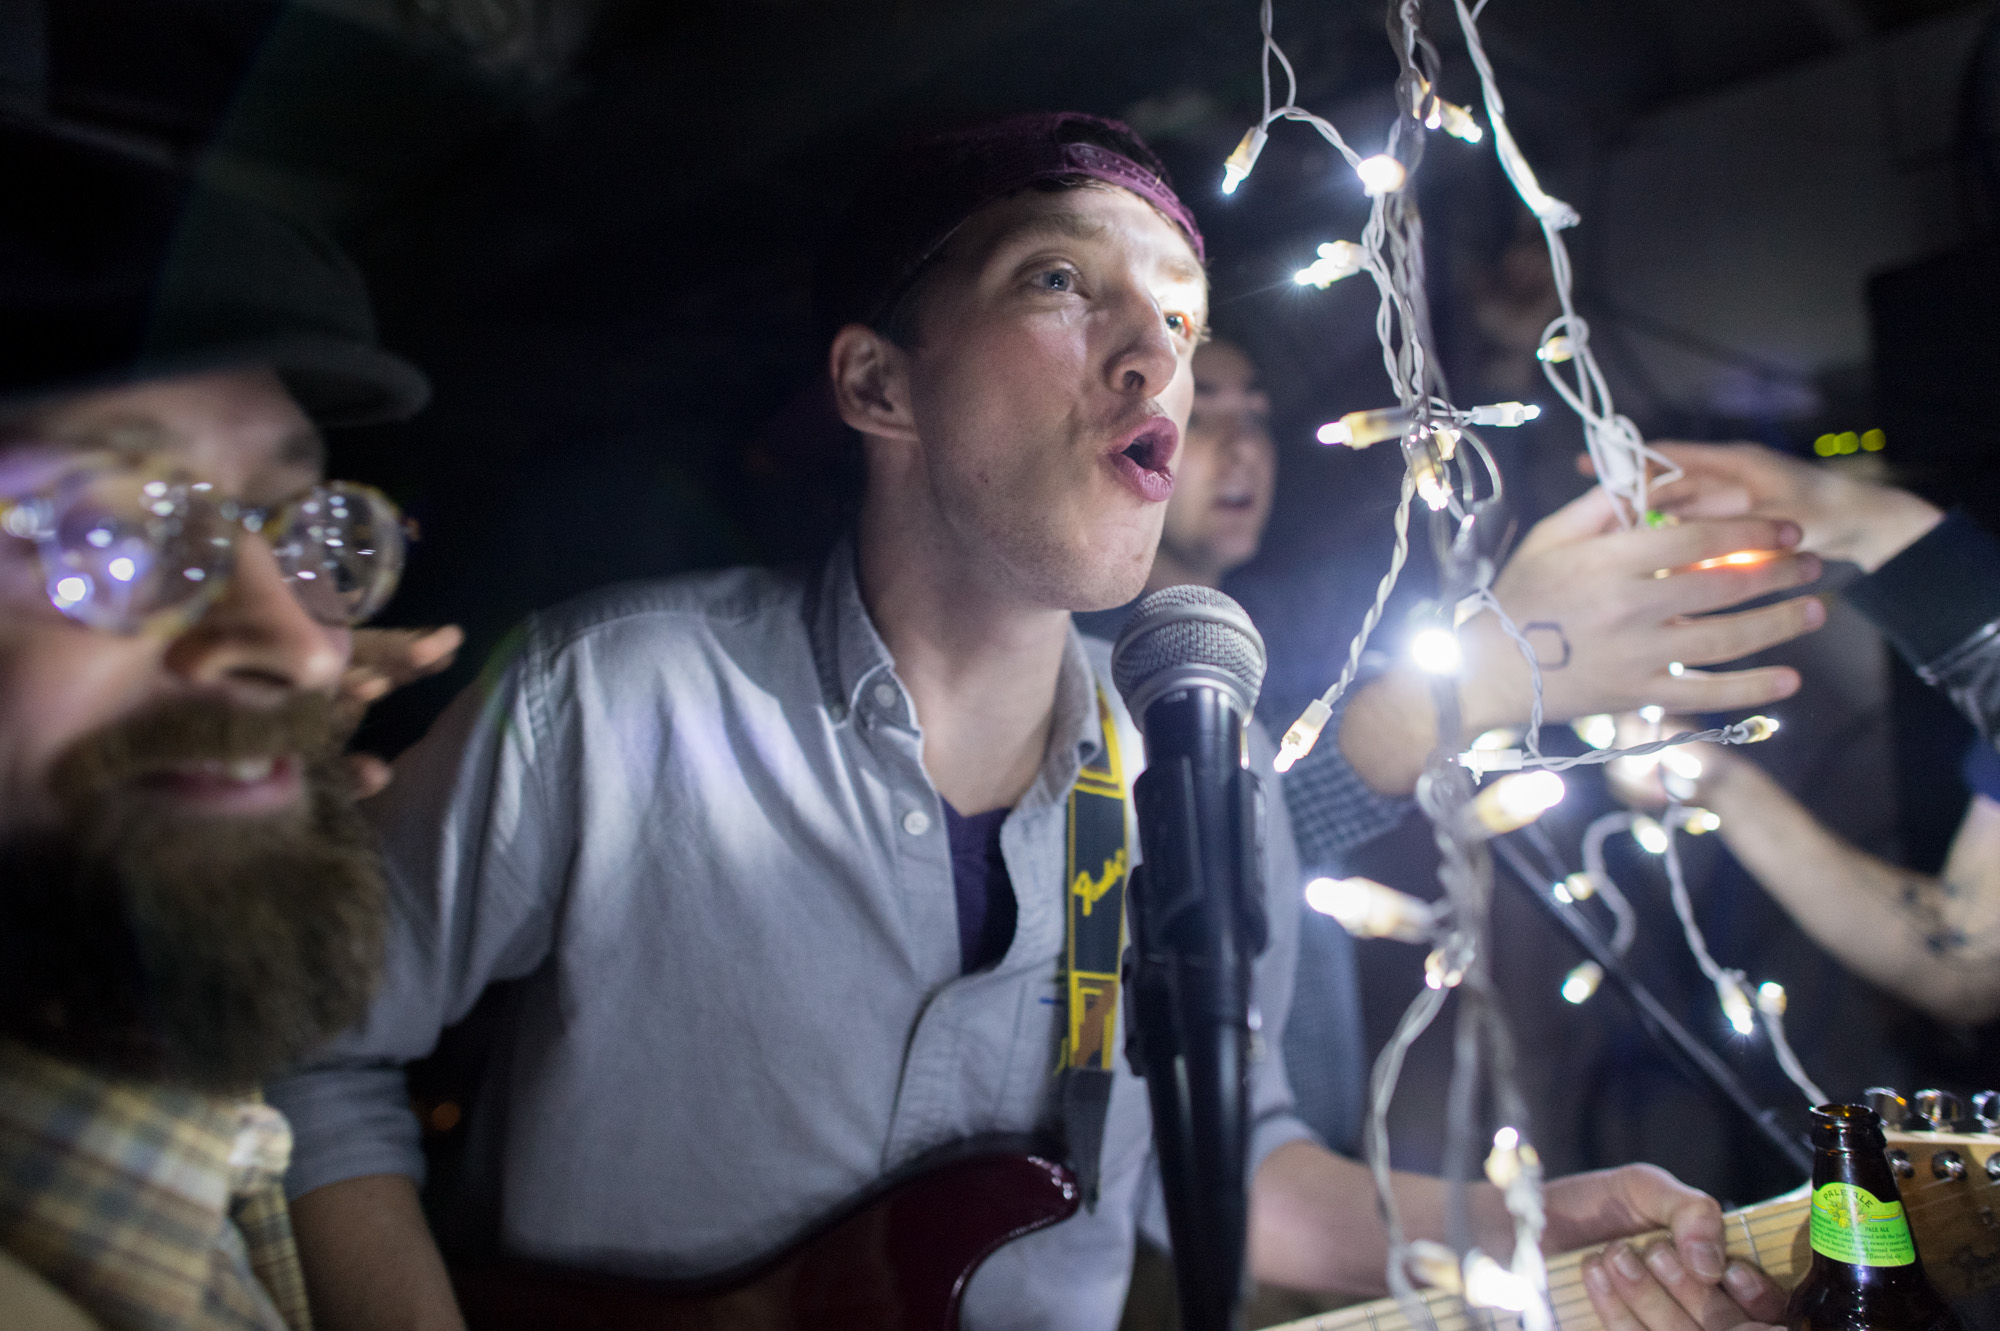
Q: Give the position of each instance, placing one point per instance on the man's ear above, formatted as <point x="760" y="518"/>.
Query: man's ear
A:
<point x="871" y="383"/>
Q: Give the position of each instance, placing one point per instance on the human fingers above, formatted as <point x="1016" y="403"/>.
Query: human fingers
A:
<point x="1719" y="639"/>
<point x="387" y="659"/>
<point x="1699" y="591"/>
<point x="367" y="774"/>
<point x="1660" y="1292"/>
<point x="1702" y="497"/>
<point x="1611" y="1308"/>
<point x="1725" y="690"/>
<point x="1636" y="1298"/>
<point x="1690" y="543"/>
<point x="1755" y="1292"/>
<point x="1592" y="513"/>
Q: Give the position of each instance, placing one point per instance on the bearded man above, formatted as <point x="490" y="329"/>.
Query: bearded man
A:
<point x="776" y="863"/>
<point x="188" y="899"/>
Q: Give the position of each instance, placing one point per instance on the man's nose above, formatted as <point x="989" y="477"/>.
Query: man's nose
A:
<point x="257" y="639"/>
<point x="1146" y="360"/>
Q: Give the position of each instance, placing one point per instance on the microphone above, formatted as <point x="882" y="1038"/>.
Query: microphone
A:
<point x="1189" y="664"/>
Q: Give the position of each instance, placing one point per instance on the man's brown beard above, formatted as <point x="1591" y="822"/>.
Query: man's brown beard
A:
<point x="207" y="951"/>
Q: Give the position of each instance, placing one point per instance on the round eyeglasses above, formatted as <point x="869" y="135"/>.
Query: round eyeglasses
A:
<point x="123" y="548"/>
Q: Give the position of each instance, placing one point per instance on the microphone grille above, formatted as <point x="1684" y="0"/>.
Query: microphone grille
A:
<point x="1185" y="631"/>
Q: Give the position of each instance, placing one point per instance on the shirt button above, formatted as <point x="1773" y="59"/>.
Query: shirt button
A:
<point x="916" y="822"/>
<point x="885" y="694"/>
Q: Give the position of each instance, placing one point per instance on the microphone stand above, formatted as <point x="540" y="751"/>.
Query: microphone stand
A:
<point x="1695" y="1059"/>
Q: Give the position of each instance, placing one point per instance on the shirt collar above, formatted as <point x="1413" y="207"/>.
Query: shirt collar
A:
<point x="847" y="651"/>
<point x="849" y="655"/>
<point x="120" y="1180"/>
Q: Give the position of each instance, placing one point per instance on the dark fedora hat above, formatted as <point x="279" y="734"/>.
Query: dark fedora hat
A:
<point x="114" y="269"/>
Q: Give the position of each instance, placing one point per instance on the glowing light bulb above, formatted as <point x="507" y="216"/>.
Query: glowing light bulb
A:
<point x="1432" y="487"/>
<point x="1516" y="800"/>
<point x="1652" y="714"/>
<point x="1367" y="909"/>
<point x="1509" y="1157"/>
<point x="1359" y="429"/>
<point x="1736" y="1004"/>
<point x="1701" y="821"/>
<point x="122" y="569"/>
<point x="71" y="590"/>
<point x="1755" y="729"/>
<point x="1676" y="669"/>
<point x="1580" y="886"/>
<point x="1771" y="998"/>
<point x="1435" y="651"/>
<point x="1556" y="350"/>
<point x="1582" y="982"/>
<point x="1599" y="731"/>
<point x="1337" y="259"/>
<point x="1236" y="168"/>
<point x="1652" y="837"/>
<point x="1458" y="122"/>
<point x="1491" y="1285"/>
<point x="1299" y="740"/>
<point x="1440" y="973"/>
<point x="1506" y="414"/>
<point x="1435" y="1265"/>
<point x="1493" y="740"/>
<point x="1381" y="174"/>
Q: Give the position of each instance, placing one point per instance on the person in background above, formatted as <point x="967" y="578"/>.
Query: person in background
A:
<point x="188" y="898"/>
<point x="1931" y="584"/>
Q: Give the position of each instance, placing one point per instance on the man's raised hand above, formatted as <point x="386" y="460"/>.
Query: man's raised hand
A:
<point x="1842" y="516"/>
<point x="1610" y="612"/>
<point x="385" y="660"/>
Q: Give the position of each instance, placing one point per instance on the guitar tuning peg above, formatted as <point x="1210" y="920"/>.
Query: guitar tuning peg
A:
<point x="1892" y="1108"/>
<point x="1986" y="1109"/>
<point x="1940" y="1110"/>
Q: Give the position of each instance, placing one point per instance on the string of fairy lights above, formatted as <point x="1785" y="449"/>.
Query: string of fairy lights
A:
<point x="1449" y="469"/>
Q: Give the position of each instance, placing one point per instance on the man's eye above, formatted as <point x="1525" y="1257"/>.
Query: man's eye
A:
<point x="1180" y="325"/>
<point x="1056" y="279"/>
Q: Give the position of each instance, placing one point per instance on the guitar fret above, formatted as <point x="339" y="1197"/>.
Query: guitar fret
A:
<point x="1756" y="1250"/>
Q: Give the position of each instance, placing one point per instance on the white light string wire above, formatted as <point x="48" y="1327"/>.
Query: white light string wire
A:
<point x="1617" y="451"/>
<point x="1446" y="471"/>
<point x="1732" y="987"/>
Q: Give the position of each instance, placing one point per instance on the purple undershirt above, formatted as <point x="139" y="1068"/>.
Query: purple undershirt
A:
<point x="986" y="906"/>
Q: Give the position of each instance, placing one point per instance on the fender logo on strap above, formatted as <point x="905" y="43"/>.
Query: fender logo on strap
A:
<point x="1091" y="889"/>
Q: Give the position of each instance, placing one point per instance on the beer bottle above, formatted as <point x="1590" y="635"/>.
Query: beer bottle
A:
<point x="1865" y="1275"/>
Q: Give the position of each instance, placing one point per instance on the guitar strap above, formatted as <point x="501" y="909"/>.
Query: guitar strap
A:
<point x="1099" y="860"/>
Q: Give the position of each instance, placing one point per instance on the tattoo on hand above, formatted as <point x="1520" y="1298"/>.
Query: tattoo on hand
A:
<point x="1560" y="647"/>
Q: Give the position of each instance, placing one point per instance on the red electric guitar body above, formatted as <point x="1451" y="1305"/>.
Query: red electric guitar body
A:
<point x="896" y="1258"/>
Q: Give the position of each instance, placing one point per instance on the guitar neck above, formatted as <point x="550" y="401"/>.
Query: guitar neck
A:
<point x="1762" y="1234"/>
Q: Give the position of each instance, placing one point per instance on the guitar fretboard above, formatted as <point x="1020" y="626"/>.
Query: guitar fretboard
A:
<point x="1762" y="1234"/>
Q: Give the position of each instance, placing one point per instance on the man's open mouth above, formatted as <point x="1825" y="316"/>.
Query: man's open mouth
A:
<point x="1145" y="463"/>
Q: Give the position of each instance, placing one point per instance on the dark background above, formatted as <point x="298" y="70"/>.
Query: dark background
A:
<point x="593" y="222"/>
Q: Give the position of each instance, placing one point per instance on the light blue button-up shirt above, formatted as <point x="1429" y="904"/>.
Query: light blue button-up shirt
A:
<point x="691" y="818"/>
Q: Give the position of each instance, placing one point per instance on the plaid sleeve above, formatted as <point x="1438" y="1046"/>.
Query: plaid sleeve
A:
<point x="1333" y="810"/>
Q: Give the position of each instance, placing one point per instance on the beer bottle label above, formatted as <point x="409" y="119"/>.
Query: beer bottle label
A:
<point x="1849" y="1225"/>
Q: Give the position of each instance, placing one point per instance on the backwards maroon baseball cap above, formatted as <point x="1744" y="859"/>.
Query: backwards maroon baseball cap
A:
<point x="924" y="190"/>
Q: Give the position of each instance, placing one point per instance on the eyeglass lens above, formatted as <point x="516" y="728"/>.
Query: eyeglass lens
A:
<point x="121" y="548"/>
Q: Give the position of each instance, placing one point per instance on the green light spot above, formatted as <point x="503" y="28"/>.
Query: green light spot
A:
<point x="1874" y="441"/>
<point x="1827" y="445"/>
